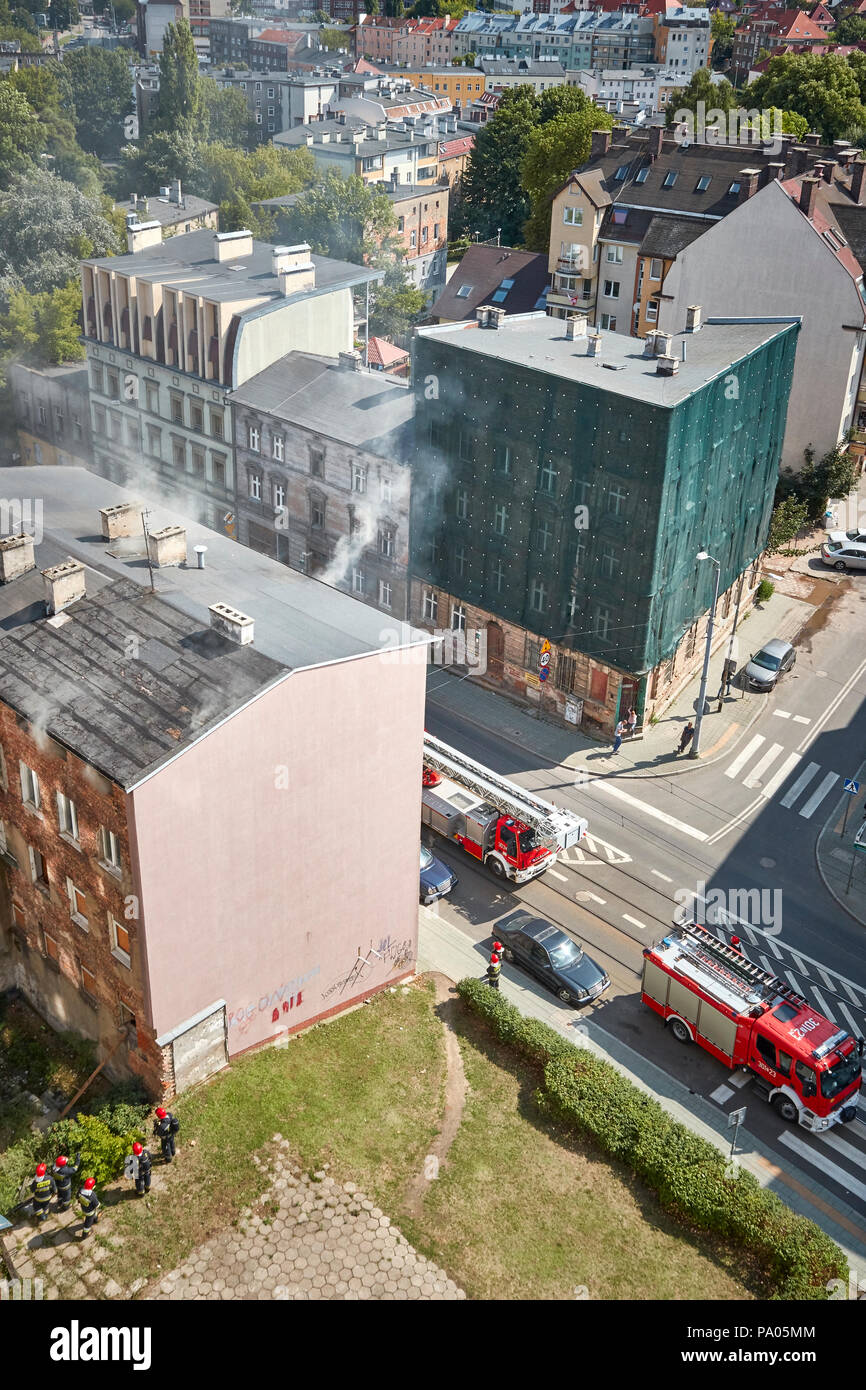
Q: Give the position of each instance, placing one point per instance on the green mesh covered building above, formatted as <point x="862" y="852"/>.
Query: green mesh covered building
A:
<point x="565" y="482"/>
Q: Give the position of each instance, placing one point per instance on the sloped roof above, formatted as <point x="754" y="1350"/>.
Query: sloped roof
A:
<point x="823" y="218"/>
<point x="666" y="237"/>
<point x="480" y="275"/>
<point x="381" y="353"/>
<point x="449" y="149"/>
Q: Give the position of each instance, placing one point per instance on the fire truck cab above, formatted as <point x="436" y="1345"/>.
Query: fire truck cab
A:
<point x="507" y="846"/>
<point x="708" y="993"/>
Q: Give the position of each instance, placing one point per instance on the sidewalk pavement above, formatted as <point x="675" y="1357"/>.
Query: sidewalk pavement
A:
<point x="443" y="948"/>
<point x="652" y="753"/>
<point x="841" y="864"/>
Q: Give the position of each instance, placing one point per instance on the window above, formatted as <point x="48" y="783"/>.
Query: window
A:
<point x="384" y="489"/>
<point x="458" y="618"/>
<point x="178" y="453"/>
<point x="76" y="427"/>
<point x="611" y="289"/>
<point x="642" y="174"/>
<point x="279" y="492"/>
<point x="359" y="477"/>
<point x="547" y="477"/>
<point x="30" y="787"/>
<point x="603" y="624"/>
<point x="96" y="382"/>
<point x="538" y="596"/>
<point x="253" y="439"/>
<point x="614" y="255"/>
<point x="67" y="817"/>
<point x="703" y="183"/>
<point x="271" y="92"/>
<point x="121" y="948"/>
<point x="544" y="536"/>
<point x="500" y="518"/>
<point x="424" y="231"/>
<point x="412" y="239"/>
<point x="177" y="409"/>
<point x="504" y="459"/>
<point x="621" y="173"/>
<point x="317" y="463"/>
<point x="109" y="849"/>
<point x="51" y="949"/>
<point x="151" y="396"/>
<point x="196" y="415"/>
<point x="216" y="423"/>
<point x="572" y="217"/>
<point x="766" y="1050"/>
<point x="460" y="561"/>
<point x="258" y="118"/>
<point x="98" y="425"/>
<point x="669" y="179"/>
<point x="317" y="513"/>
<point x="197" y="461"/>
<point x="464" y="291"/>
<point x="465" y="446"/>
<point x="88" y="980"/>
<point x="401" y="223"/>
<point x="609" y="561"/>
<point x="384" y="593"/>
<point x="77" y="904"/>
<point x="218" y="470"/>
<point x="497" y="575"/>
<point x="734" y="188"/>
<point x="270" y="111"/>
<point x="277" y="447"/>
<point x="608" y="321"/>
<point x="255" y="481"/>
<point x="387" y="542"/>
<point x="462" y="503"/>
<point x="357" y="581"/>
<point x="38" y="870"/>
<point x="652" y="311"/>
<point x="430" y="606"/>
<point x="655" y="272"/>
<point x="154" y="441"/>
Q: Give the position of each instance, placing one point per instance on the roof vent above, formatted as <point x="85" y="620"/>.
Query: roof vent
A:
<point x="228" y="621"/>
<point x="16" y="557"/>
<point x="64" y="584"/>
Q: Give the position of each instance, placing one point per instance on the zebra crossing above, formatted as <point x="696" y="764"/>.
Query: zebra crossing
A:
<point x="754" y="775"/>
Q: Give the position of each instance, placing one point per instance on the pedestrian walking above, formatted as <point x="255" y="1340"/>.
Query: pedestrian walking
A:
<point x="43" y="1188"/>
<point x="90" y="1205"/>
<point x="617" y="737"/>
<point x="141" y="1165"/>
<point x="165" y="1127"/>
<point x="686" y="737"/>
<point x="631" y="720"/>
<point x="64" y="1174"/>
<point x="494" y="970"/>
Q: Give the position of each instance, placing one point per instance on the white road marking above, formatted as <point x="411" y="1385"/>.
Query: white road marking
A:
<point x="855" y="1156"/>
<point x="848" y="1018"/>
<point x="851" y="995"/>
<point x="830" y="1170"/>
<point x="794" y="983"/>
<point x="721" y="1094"/>
<point x="801" y="719"/>
<point x="771" y="946"/>
<point x="739" y="1078"/>
<point x="667" y="878"/>
<point x="817" y="797"/>
<point x="634" y="921"/>
<point x="859" y="1128"/>
<point x="760" y="768"/>
<point x="782" y="713"/>
<point x="801" y="783"/>
<point x="554" y="874"/>
<point x="826" y="978"/>
<point x="816" y="996"/>
<point x="595" y="899"/>
<point x="798" y="963"/>
<point x="780" y="774"/>
<point x="742" y="758"/>
<point x="620" y="795"/>
<point x="767" y="964"/>
<point x="612" y="854"/>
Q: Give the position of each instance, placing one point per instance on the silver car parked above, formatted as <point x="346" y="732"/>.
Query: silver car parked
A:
<point x="767" y="665"/>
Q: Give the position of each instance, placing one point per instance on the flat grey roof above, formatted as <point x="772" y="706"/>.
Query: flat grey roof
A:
<point x="367" y="410"/>
<point x="299" y="621"/>
<point x="538" y="343"/>
<point x="194" y="252"/>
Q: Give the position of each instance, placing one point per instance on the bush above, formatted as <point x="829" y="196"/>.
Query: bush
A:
<point x="765" y="592"/>
<point x="687" y="1174"/>
<point x="102" y="1151"/>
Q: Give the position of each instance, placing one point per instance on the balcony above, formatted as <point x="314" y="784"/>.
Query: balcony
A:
<point x="571" y="265"/>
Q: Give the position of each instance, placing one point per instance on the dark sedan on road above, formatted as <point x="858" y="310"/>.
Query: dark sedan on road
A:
<point x="436" y="879"/>
<point x="552" y="957"/>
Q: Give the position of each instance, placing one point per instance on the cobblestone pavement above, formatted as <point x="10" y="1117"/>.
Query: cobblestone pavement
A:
<point x="308" y="1237"/>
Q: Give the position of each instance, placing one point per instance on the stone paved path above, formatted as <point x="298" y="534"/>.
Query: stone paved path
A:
<point x="308" y="1237"/>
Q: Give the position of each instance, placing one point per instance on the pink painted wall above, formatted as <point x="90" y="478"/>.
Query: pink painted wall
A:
<point x="283" y="846"/>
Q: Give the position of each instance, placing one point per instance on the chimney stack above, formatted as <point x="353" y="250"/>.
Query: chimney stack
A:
<point x="667" y="364"/>
<point x="16" y="557"/>
<point x="494" y="317"/>
<point x="777" y="172"/>
<point x="811" y="139"/>
<point x="138" y="238"/>
<point x="656" y="141"/>
<point x="167" y="546"/>
<point x="575" y="326"/>
<point x="227" y="621"/>
<point x="858" y="171"/>
<point x="799" y="161"/>
<point x="122" y="520"/>
<point x="593" y="346"/>
<point x="808" y="189"/>
<point x="176" y="195"/>
<point x="231" y="246"/>
<point x="350" y="361"/>
<point x="693" y="318"/>
<point x="599" y="144"/>
<point x="748" y="184"/>
<point x="64" y="584"/>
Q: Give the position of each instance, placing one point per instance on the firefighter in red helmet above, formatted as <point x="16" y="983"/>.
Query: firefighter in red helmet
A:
<point x="165" y="1127"/>
<point x="90" y="1205"/>
<point x="43" y="1189"/>
<point x="494" y="970"/>
<point x="141" y="1168"/>
<point x="64" y="1174"/>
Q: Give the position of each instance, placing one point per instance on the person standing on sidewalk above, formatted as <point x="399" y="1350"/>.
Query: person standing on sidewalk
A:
<point x="686" y="737"/>
<point x="617" y="737"/>
<point x="494" y="970"/>
<point x="631" y="720"/>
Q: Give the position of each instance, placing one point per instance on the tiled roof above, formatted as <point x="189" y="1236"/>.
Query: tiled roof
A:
<point x="381" y="353"/>
<point x="449" y="149"/>
<point x="482" y="275"/>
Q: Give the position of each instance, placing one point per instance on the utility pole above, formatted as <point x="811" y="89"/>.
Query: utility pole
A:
<point x="144" y="517"/>
<point x="702" y="698"/>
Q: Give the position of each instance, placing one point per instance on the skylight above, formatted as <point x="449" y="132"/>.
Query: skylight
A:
<point x="642" y="174"/>
<point x="621" y="173"/>
<point x="702" y="184"/>
<point x="506" y="284"/>
<point x="499" y="296"/>
<point x="734" y="188"/>
<point x="464" y="291"/>
<point x="670" y="179"/>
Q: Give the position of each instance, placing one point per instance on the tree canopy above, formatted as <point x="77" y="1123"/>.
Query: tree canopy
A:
<point x="100" y="87"/>
<point x="554" y="149"/>
<point x="46" y="227"/>
<point x="827" y="90"/>
<point x="21" y="134"/>
<point x="182" y="107"/>
<point x="342" y="217"/>
<point x="227" y="116"/>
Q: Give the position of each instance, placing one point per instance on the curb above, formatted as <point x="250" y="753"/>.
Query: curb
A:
<point x="855" y="917"/>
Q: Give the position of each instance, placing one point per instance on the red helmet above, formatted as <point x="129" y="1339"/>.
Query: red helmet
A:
<point x="40" y="1170"/>
<point x="494" y="959"/>
<point x="137" y="1149"/>
<point x="160" y="1113"/>
<point x="497" y="945"/>
<point x="61" y="1161"/>
<point x="735" y="941"/>
<point x="89" y="1184"/>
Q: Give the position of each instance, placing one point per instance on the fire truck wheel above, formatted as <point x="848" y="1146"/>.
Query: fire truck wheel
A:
<point x="496" y="867"/>
<point x="508" y="954"/>
<point x="680" y="1031"/>
<point x="786" y="1109"/>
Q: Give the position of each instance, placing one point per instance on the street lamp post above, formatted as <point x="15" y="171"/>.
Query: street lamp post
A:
<point x="696" y="739"/>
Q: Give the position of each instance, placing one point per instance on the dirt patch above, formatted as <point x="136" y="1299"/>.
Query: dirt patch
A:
<point x="447" y="1006"/>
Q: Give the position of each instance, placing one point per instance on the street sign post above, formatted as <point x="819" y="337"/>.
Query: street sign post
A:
<point x="735" y="1119"/>
<point x="544" y="661"/>
<point x="852" y="788"/>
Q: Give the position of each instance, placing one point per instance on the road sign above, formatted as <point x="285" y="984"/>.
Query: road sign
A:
<point x="736" y="1117"/>
<point x="542" y="675"/>
<point x="851" y="786"/>
<point x="544" y="659"/>
<point x="860" y="837"/>
<point x="545" y="646"/>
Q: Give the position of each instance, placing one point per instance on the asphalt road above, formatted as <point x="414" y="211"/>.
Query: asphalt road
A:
<point x="749" y="821"/>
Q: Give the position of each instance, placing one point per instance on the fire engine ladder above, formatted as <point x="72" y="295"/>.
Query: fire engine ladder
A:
<point x="738" y="973"/>
<point x="556" y="828"/>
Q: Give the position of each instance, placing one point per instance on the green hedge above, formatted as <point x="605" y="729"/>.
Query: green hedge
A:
<point x="687" y="1174"/>
<point x="104" y="1140"/>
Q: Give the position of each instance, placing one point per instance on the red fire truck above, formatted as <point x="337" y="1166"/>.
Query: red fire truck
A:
<point x="516" y="834"/>
<point x="710" y="994"/>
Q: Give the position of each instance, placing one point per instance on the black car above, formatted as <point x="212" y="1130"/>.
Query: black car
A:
<point x="436" y="879"/>
<point x="552" y="957"/>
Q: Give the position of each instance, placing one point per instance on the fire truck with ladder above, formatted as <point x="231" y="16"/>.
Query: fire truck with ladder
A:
<point x="709" y="993"/>
<point x="515" y="833"/>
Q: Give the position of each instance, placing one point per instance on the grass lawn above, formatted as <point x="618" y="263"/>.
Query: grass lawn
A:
<point x="519" y="1210"/>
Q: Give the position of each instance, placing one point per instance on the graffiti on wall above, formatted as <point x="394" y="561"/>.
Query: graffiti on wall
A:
<point x="278" y="1002"/>
<point x="388" y="958"/>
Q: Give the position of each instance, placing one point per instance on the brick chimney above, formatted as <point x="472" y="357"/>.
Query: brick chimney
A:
<point x="16" y="557"/>
<point x="122" y="520"/>
<point x="167" y="546"/>
<point x="656" y="141"/>
<point x="575" y="326"/>
<point x="808" y="189"/>
<point x="600" y="143"/>
<point x="799" y="160"/>
<point x="858" y="172"/>
<point x="64" y="584"/>
<point x="748" y="184"/>
<point x="811" y="139"/>
<point x="230" y="623"/>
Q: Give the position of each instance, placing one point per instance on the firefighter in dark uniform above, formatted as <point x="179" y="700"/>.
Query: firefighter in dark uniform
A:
<point x="494" y="970"/>
<point x="90" y="1205"/>
<point x="143" y="1163"/>
<point x="165" y="1127"/>
<point x="43" y="1189"/>
<point x="64" y="1174"/>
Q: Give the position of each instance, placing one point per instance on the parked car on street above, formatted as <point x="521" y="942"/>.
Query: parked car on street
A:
<point x="842" y="553"/>
<point x="436" y="878"/>
<point x="767" y="665"/>
<point x="555" y="959"/>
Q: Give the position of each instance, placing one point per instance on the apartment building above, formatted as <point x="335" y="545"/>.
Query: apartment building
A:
<point x="174" y="326"/>
<point x="406" y="42"/>
<point x="422" y="231"/>
<point x="538" y="73"/>
<point x="376" y="99"/>
<point x="568" y="502"/>
<point x="51" y="406"/>
<point x="140" y="905"/>
<point x="249" y="41"/>
<point x="648" y="88"/>
<point x="174" y="210"/>
<point x="457" y="85"/>
<point x="324" y="449"/>
<point x="588" y="39"/>
<point x="277" y="101"/>
<point x="790" y="31"/>
<point x="683" y="40"/>
<point x="404" y="153"/>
